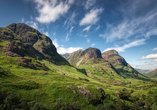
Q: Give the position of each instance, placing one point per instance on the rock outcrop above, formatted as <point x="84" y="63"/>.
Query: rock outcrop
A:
<point x="24" y="40"/>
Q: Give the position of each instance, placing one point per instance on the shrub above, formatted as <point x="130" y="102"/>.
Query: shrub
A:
<point x="105" y="106"/>
<point x="143" y="96"/>
<point x="156" y="99"/>
<point x="13" y="101"/>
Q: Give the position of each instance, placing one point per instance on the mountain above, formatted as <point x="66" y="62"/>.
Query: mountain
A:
<point x="22" y="40"/>
<point x="143" y="71"/>
<point x="121" y="65"/>
<point x="104" y="66"/>
<point x="34" y="76"/>
<point x="152" y="74"/>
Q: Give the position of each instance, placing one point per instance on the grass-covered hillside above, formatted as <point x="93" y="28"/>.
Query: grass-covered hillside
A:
<point x="123" y="68"/>
<point x="33" y="76"/>
<point x="152" y="74"/>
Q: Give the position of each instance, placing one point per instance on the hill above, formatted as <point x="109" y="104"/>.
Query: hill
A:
<point x="33" y="76"/>
<point x="22" y="40"/>
<point x="108" y="67"/>
<point x="121" y="65"/>
<point x="152" y="74"/>
<point x="143" y="71"/>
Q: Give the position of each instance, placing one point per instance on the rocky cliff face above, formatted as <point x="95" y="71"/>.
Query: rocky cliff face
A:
<point x="114" y="58"/>
<point x="120" y="64"/>
<point x="24" y="40"/>
<point x="92" y="53"/>
<point x="83" y="56"/>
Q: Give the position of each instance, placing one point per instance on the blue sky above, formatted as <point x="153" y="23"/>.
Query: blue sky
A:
<point x="128" y="26"/>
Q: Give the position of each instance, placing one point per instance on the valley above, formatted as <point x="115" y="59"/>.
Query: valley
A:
<point x="33" y="76"/>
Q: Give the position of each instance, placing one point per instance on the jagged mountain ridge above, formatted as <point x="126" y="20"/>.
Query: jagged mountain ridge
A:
<point x="23" y="40"/>
<point x="111" y="60"/>
<point x="120" y="64"/>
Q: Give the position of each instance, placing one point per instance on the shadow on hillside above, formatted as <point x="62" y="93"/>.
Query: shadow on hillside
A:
<point x="82" y="71"/>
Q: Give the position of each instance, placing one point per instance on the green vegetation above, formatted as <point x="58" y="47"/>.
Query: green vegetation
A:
<point x="33" y="76"/>
<point x="152" y="74"/>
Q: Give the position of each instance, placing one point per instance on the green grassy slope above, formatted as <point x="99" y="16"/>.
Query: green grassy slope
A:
<point x="122" y="66"/>
<point x="152" y="74"/>
<point x="48" y="81"/>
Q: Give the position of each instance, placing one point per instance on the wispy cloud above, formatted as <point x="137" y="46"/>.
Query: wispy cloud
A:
<point x="54" y="34"/>
<point x="155" y="49"/>
<point x="51" y="10"/>
<point x="126" y="46"/>
<point x="91" y="17"/>
<point x="46" y="33"/>
<point x="69" y="33"/>
<point x="88" y="40"/>
<point x="30" y="23"/>
<point x="133" y="25"/>
<point x="22" y="20"/>
<point x="93" y="44"/>
<point x="67" y="37"/>
<point x="97" y="27"/>
<point x="89" y="3"/>
<point x="87" y="28"/>
<point x="70" y="20"/>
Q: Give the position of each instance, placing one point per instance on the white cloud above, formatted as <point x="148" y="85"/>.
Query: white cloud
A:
<point x="89" y="3"/>
<point x="91" y="17"/>
<point x="32" y="24"/>
<point x="87" y="28"/>
<point x="62" y="50"/>
<point x="51" y="10"/>
<point x="97" y="27"/>
<point x="46" y="33"/>
<point x="155" y="49"/>
<point x="150" y="56"/>
<point x="93" y="44"/>
<point x="145" y="66"/>
<point x="126" y="46"/>
<point x="55" y="43"/>
<point x="155" y="60"/>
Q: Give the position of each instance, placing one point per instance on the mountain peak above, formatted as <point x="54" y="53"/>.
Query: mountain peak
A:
<point x="110" y="52"/>
<point x="113" y="57"/>
<point x="92" y="53"/>
<point x="24" y="40"/>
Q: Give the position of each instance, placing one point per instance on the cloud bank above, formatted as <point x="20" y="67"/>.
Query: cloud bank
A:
<point x="63" y="50"/>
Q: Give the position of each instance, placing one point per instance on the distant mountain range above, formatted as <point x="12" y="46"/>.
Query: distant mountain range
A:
<point x="143" y="71"/>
